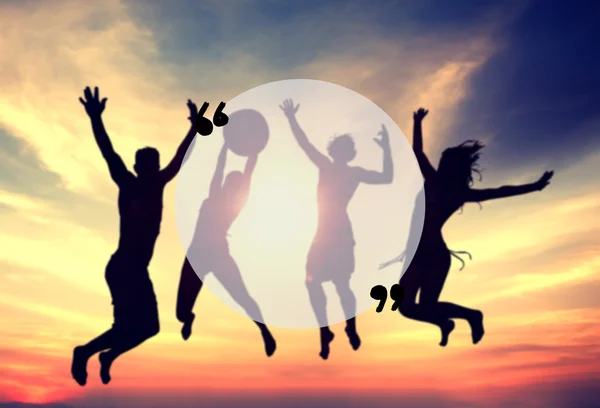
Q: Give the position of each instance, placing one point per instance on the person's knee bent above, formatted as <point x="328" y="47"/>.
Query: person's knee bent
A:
<point x="151" y="330"/>
<point x="154" y="329"/>
<point x="149" y="324"/>
<point x="404" y="309"/>
<point x="407" y="307"/>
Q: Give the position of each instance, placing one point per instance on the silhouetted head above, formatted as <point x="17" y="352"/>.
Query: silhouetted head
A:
<point x="147" y="162"/>
<point x="232" y="183"/>
<point x="341" y="148"/>
<point x="458" y="164"/>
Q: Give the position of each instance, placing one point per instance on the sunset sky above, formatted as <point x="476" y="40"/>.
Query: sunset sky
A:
<point x="521" y="76"/>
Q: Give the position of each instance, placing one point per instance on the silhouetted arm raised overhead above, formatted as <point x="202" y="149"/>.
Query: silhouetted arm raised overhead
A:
<point x="311" y="151"/>
<point x="247" y="177"/>
<point x="426" y="168"/>
<point x="171" y="170"/>
<point x="94" y="108"/>
<point x="387" y="175"/>
<point x="217" y="180"/>
<point x="475" y="195"/>
<point x="250" y="166"/>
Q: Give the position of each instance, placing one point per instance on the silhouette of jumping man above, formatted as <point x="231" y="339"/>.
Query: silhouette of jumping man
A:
<point x="209" y="250"/>
<point x="446" y="190"/>
<point x="331" y="256"/>
<point x="140" y="209"/>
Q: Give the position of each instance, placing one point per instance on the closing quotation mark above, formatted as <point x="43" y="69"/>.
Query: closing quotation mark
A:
<point x="379" y="292"/>
<point x="204" y="126"/>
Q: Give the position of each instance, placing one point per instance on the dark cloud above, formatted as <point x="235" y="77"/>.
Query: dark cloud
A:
<point x="539" y="94"/>
<point x="287" y="34"/>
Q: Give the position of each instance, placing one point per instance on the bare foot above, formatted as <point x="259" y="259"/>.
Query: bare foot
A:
<point x="326" y="338"/>
<point x="186" y="330"/>
<point x="476" y="323"/>
<point x="354" y="339"/>
<point x="446" y="328"/>
<point x="105" y="363"/>
<point x="270" y="344"/>
<point x="79" y="365"/>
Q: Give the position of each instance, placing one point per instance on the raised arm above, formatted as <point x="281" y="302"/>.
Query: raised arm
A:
<point x="509" y="191"/>
<point x="311" y="151"/>
<point x="250" y="166"/>
<point x="387" y="175"/>
<point x="247" y="177"/>
<point x="94" y="108"/>
<point x="217" y="180"/>
<point x="169" y="172"/>
<point x="426" y="168"/>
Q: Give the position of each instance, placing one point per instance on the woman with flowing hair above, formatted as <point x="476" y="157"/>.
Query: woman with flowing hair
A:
<point x="447" y="189"/>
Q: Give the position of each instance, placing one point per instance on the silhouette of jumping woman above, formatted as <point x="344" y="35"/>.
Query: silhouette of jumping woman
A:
<point x="140" y="208"/>
<point x="446" y="190"/>
<point x="331" y="256"/>
<point x="209" y="250"/>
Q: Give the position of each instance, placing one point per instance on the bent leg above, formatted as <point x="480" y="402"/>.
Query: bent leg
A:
<point x="81" y="355"/>
<point x="228" y="273"/>
<point x="187" y="293"/>
<point x="410" y="283"/>
<point x="413" y="282"/>
<point x="444" y="311"/>
<point x="136" y="320"/>
<point x="127" y="334"/>
<point x="429" y="305"/>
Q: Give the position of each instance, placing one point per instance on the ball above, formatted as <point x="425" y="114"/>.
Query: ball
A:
<point x="247" y="132"/>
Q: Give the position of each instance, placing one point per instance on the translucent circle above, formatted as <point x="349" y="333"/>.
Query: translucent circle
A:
<point x="262" y="259"/>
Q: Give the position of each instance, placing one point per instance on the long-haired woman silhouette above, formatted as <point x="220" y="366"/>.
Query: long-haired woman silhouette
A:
<point x="446" y="190"/>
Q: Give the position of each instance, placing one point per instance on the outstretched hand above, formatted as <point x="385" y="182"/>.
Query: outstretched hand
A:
<point x="384" y="141"/>
<point x="225" y="146"/>
<point x="420" y="114"/>
<point x="193" y="111"/>
<point x="92" y="103"/>
<point x="543" y="182"/>
<point x="288" y="108"/>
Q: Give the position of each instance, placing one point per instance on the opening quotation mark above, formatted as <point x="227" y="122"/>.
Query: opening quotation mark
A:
<point x="204" y="126"/>
<point x="380" y="292"/>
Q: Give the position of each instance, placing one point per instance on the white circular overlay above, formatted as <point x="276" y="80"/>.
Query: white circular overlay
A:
<point x="270" y="239"/>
